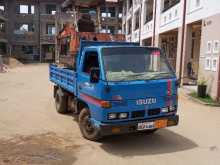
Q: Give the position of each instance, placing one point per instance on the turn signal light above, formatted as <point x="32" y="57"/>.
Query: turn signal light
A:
<point x="116" y="130"/>
<point x="106" y="104"/>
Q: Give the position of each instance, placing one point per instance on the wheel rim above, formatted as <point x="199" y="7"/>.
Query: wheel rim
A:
<point x="57" y="102"/>
<point x="88" y="126"/>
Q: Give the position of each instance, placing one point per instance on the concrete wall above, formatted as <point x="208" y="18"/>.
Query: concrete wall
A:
<point x="210" y="33"/>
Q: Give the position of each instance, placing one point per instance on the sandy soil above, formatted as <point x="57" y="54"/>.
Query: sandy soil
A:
<point x="31" y="132"/>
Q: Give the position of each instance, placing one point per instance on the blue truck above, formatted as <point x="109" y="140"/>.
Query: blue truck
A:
<point x="116" y="88"/>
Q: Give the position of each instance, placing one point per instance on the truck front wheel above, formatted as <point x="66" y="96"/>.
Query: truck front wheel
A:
<point x="88" y="130"/>
<point x="61" y="102"/>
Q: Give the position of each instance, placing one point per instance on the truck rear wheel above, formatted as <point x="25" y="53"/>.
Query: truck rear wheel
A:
<point x="87" y="128"/>
<point x="61" y="102"/>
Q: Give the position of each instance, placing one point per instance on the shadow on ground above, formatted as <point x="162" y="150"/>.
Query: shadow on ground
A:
<point x="163" y="141"/>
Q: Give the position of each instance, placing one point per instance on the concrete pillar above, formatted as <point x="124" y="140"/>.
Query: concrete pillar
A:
<point x="99" y="18"/>
<point x="187" y="45"/>
<point x="156" y="41"/>
<point x="178" y="53"/>
<point x="187" y="50"/>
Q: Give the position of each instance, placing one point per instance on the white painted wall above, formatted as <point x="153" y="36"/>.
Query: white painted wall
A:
<point x="172" y="18"/>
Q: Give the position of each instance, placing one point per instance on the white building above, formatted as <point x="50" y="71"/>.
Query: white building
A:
<point x="187" y="30"/>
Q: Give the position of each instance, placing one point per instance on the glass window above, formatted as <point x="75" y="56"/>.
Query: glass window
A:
<point x="90" y="61"/>
<point x="26" y="9"/>
<point x="137" y="20"/>
<point x="51" y="29"/>
<point x="51" y="9"/>
<point x="135" y="63"/>
<point x="2" y="26"/>
<point x="167" y="4"/>
<point x="129" y="26"/>
<point x="2" y="7"/>
<point x="112" y="12"/>
<point x="32" y="9"/>
<point x="23" y="9"/>
<point x="148" y="10"/>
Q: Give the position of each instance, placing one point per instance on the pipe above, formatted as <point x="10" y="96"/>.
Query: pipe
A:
<point x="140" y="18"/>
<point x="154" y="30"/>
<point x="39" y="30"/>
<point x="182" y="41"/>
<point x="218" y="84"/>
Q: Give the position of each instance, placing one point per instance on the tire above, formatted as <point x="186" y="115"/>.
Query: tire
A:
<point x="87" y="129"/>
<point x="61" y="102"/>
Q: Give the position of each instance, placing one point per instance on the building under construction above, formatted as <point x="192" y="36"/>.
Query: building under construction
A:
<point x="28" y="28"/>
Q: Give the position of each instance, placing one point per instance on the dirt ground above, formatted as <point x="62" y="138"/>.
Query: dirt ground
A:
<point x="31" y="132"/>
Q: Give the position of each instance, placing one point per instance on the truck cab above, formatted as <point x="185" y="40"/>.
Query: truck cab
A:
<point x="121" y="88"/>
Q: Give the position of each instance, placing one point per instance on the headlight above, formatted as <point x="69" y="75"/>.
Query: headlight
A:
<point x="165" y="110"/>
<point x="123" y="115"/>
<point x="112" y="116"/>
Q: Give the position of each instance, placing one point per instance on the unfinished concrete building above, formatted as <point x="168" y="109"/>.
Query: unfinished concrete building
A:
<point x="3" y="27"/>
<point x="30" y="28"/>
<point x="107" y="15"/>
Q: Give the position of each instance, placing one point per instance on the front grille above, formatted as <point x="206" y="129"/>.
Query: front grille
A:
<point x="136" y="114"/>
<point x="153" y="112"/>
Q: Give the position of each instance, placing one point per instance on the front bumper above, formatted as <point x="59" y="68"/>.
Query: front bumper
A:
<point x="131" y="126"/>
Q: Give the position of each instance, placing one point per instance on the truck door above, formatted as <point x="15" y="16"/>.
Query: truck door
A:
<point x="90" y="59"/>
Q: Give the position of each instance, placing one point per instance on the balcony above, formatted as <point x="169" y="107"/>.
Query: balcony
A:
<point x="170" y="19"/>
<point x="25" y="17"/>
<point x="48" y="17"/>
<point x="47" y="39"/>
<point x="27" y="37"/>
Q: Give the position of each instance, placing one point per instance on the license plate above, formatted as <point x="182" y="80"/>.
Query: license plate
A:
<point x="152" y="125"/>
<point x="146" y="126"/>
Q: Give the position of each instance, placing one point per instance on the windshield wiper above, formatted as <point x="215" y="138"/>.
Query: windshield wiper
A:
<point x="162" y="75"/>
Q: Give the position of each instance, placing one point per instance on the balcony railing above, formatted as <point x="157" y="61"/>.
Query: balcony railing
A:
<point x="48" y="17"/>
<point x="47" y="39"/>
<point x="27" y="37"/>
<point x="25" y="17"/>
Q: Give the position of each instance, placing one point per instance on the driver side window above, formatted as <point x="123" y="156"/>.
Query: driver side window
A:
<point x="90" y="61"/>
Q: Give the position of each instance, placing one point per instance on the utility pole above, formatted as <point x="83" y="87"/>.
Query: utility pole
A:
<point x="140" y="23"/>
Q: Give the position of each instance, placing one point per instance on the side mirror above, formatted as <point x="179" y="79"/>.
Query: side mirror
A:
<point x="94" y="76"/>
<point x="178" y="82"/>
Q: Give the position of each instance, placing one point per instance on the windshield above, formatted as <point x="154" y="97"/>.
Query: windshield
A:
<point x="135" y="63"/>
